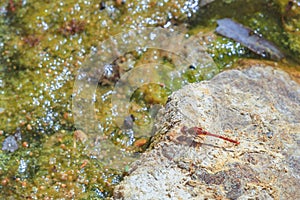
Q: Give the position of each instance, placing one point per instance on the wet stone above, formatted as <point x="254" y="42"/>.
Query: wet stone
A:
<point x="128" y="122"/>
<point x="258" y="106"/>
<point x="10" y="144"/>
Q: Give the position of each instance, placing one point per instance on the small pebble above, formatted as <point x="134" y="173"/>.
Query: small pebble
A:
<point x="10" y="144"/>
<point x="25" y="144"/>
<point x="128" y="122"/>
<point x="29" y="128"/>
<point x="140" y="142"/>
<point x="66" y="115"/>
<point x="63" y="146"/>
<point x="4" y="181"/>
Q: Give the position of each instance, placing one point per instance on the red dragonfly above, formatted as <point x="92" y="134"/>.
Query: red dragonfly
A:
<point x="200" y="131"/>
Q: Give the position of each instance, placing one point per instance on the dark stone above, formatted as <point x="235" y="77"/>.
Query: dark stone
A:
<point x="102" y="5"/>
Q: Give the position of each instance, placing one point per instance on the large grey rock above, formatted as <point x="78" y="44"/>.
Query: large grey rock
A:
<point x="258" y="106"/>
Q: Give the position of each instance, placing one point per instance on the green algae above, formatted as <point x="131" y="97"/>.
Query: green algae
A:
<point x="43" y="44"/>
<point x="291" y="24"/>
<point x="56" y="169"/>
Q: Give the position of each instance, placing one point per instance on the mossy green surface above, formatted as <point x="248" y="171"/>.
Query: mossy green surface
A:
<point x="42" y="46"/>
<point x="60" y="167"/>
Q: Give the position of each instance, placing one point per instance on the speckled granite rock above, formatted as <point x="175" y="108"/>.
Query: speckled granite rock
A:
<point x="258" y="106"/>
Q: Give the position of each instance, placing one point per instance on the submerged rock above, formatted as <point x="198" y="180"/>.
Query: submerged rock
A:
<point x="244" y="35"/>
<point x="259" y="107"/>
<point x="10" y="144"/>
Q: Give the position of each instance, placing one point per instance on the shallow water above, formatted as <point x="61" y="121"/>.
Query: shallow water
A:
<point x="44" y="46"/>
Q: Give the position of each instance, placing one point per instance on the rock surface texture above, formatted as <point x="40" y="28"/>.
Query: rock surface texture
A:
<point x="259" y="107"/>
